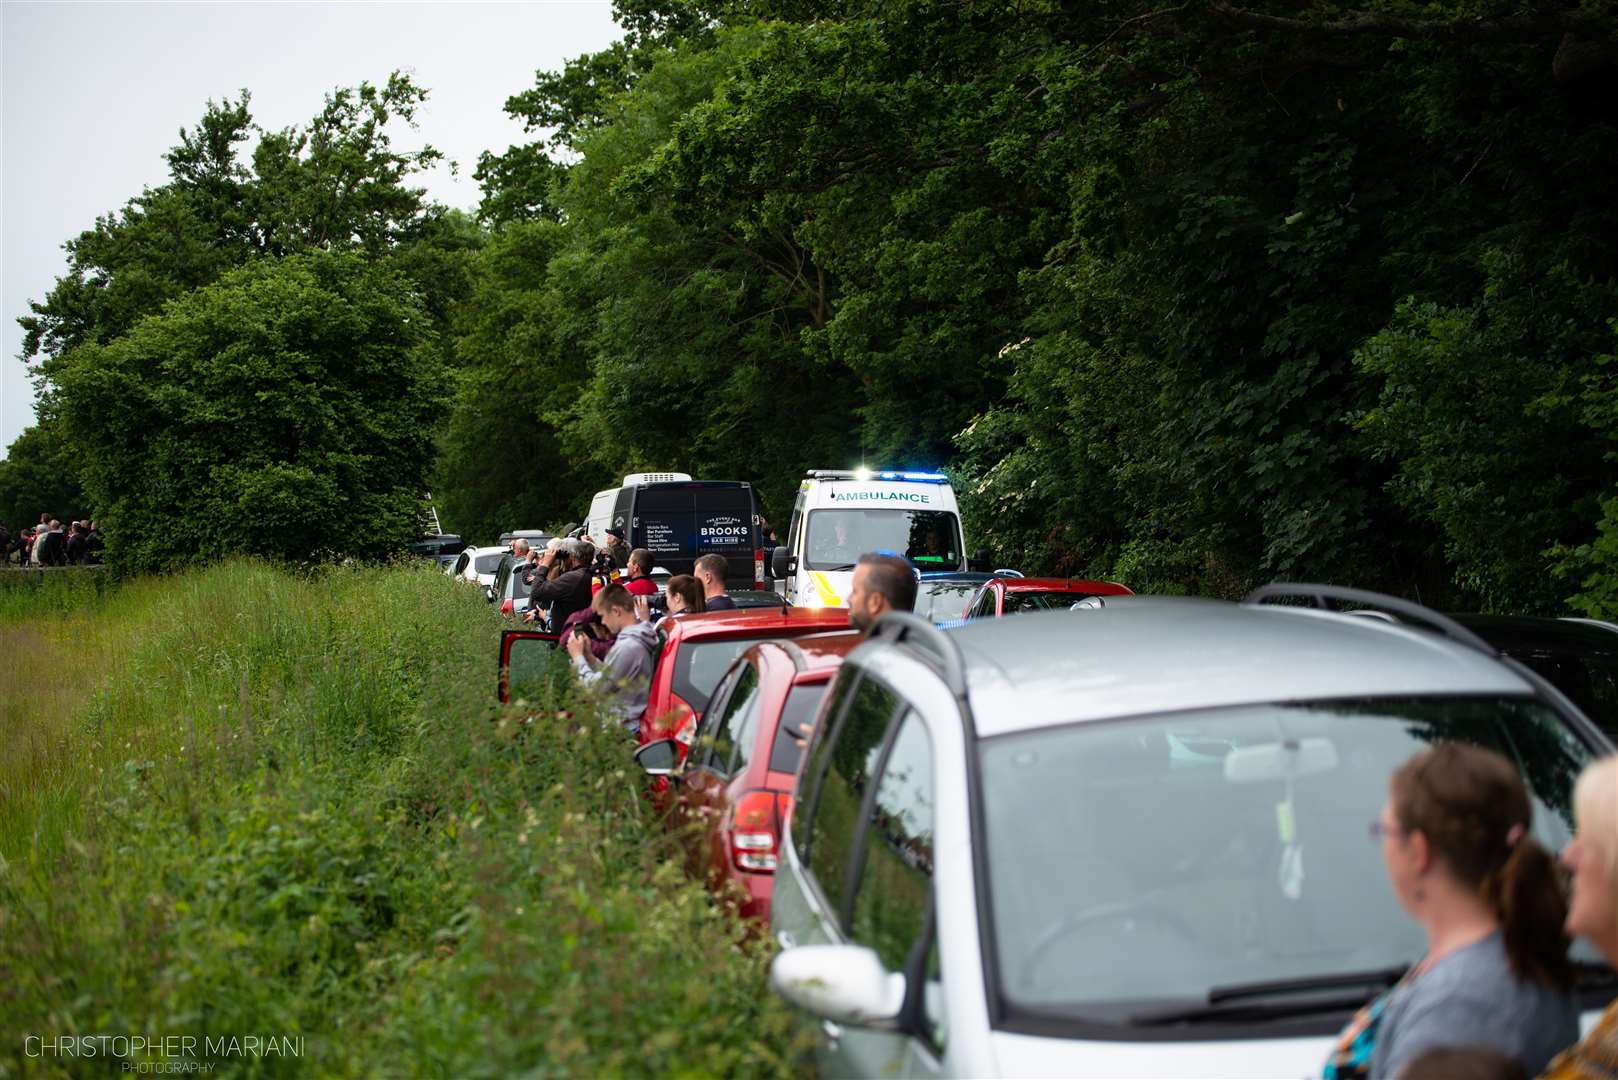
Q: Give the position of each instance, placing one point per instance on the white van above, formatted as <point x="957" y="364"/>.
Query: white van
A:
<point x="840" y="515"/>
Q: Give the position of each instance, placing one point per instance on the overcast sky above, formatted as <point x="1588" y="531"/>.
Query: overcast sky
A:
<point x="93" y="94"/>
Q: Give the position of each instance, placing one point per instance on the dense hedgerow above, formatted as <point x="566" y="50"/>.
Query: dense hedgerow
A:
<point x="286" y="805"/>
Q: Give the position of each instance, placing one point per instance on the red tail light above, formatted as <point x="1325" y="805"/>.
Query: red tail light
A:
<point x="758" y="568"/>
<point x="755" y="831"/>
<point x="506" y="607"/>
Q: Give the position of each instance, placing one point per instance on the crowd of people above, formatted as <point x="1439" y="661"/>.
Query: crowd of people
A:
<point x="49" y="544"/>
<point x="605" y="608"/>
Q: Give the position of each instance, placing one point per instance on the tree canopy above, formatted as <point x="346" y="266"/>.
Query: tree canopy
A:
<point x="1194" y="296"/>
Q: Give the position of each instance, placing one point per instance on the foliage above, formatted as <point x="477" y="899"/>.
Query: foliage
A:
<point x="39" y="474"/>
<point x="285" y="410"/>
<point x="290" y="807"/>
<point x="1156" y="283"/>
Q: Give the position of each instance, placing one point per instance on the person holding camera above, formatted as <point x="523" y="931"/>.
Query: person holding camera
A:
<point x="626" y="672"/>
<point x="569" y="590"/>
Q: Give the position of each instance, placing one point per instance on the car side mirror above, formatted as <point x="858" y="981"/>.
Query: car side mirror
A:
<point x="488" y="593"/>
<point x="658" y="758"/>
<point x="845" y="984"/>
<point x="979" y="560"/>
<point x="782" y="563"/>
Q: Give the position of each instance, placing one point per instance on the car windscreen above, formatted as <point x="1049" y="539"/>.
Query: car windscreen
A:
<point x="943" y="601"/>
<point x="929" y="538"/>
<point x="486" y="564"/>
<point x="1055" y="600"/>
<point x="1137" y="865"/>
<point x="802" y="703"/>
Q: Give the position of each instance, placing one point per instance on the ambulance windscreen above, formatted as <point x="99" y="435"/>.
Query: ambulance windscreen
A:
<point x="931" y="539"/>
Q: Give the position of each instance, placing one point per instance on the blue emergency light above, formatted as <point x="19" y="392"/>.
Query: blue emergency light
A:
<point x="928" y="477"/>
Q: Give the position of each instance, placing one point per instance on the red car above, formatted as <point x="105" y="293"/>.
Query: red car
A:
<point x="694" y="652"/>
<point x="1010" y="596"/>
<point x="743" y="767"/>
<point x="698" y="648"/>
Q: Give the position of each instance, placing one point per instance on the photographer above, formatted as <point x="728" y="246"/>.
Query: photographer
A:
<point x="626" y="672"/>
<point x="568" y="591"/>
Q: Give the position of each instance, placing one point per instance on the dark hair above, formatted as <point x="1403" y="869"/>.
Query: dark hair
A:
<point x="641" y="560"/>
<point x="713" y="564"/>
<point x="1463" y="1063"/>
<point x="1471" y="805"/>
<point x="892" y="577"/>
<point x="689" y="589"/>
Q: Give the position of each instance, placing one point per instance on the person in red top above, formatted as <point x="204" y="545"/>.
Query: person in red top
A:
<point x="639" y="580"/>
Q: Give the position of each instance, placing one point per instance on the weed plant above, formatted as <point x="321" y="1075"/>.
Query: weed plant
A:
<point x="250" y="801"/>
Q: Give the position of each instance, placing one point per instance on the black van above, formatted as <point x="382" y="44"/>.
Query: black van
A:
<point x="679" y="520"/>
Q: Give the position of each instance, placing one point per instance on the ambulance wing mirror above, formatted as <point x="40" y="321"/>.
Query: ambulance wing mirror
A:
<point x="782" y="564"/>
<point x="979" y="560"/>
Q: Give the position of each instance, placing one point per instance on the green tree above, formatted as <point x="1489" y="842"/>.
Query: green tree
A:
<point x="336" y="183"/>
<point x="285" y="410"/>
<point x="39" y="475"/>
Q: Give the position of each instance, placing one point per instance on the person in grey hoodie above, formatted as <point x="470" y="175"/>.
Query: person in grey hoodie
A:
<point x="626" y="672"/>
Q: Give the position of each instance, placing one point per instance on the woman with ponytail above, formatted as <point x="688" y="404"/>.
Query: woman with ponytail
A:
<point x="1459" y="852"/>
<point x="1593" y="912"/>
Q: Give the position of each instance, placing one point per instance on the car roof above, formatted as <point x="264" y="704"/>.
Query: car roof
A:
<point x="1062" y="584"/>
<point x="818" y="652"/>
<point x="757" y="622"/>
<point x="1143" y="655"/>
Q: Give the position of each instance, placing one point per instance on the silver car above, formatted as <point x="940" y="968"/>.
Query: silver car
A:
<point x="1129" y="841"/>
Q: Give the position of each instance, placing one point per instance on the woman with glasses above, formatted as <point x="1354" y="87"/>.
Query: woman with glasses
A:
<point x="1593" y="911"/>
<point x="1459" y="853"/>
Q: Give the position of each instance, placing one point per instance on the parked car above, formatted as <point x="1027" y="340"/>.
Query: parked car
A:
<point x="999" y="597"/>
<point x="440" y="547"/>
<point x="697" y="649"/>
<point x="1129" y="841"/>
<point x="693" y="653"/>
<point x="508" y="588"/>
<point x="943" y="597"/>
<point x="536" y="537"/>
<point x="478" y="564"/>
<point x="1577" y="656"/>
<point x="737" y="784"/>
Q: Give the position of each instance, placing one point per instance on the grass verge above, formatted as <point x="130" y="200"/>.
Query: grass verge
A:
<point x="248" y="802"/>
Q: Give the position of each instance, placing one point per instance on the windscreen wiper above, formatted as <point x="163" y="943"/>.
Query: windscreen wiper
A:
<point x="1240" y="1001"/>
<point x="836" y="569"/>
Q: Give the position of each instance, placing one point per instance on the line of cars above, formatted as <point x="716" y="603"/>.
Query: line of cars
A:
<point x="1110" y="836"/>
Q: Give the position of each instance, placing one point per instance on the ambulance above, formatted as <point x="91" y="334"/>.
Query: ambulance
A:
<point x="840" y="515"/>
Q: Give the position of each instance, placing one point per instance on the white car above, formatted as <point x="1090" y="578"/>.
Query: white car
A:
<point x="478" y="564"/>
<point x="1132" y="841"/>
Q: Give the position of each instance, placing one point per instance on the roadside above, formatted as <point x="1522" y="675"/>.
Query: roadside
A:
<point x="290" y="809"/>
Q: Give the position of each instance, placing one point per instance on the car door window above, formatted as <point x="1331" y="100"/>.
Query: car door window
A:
<point x="703" y="743"/>
<point x="984" y="606"/>
<point x="849" y="762"/>
<point x="738" y="723"/>
<point x="893" y="892"/>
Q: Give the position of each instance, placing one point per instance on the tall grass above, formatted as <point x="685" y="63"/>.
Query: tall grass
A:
<point x="248" y="801"/>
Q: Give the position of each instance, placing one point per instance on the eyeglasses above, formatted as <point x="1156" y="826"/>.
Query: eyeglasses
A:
<point x="1381" y="829"/>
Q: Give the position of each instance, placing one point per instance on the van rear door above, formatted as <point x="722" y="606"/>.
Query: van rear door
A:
<point x="677" y="522"/>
